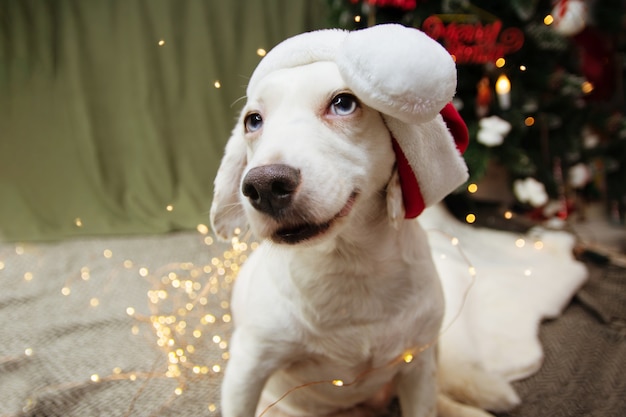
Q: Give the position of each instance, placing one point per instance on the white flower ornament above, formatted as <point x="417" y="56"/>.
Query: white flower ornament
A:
<point x="530" y="191"/>
<point x="492" y="131"/>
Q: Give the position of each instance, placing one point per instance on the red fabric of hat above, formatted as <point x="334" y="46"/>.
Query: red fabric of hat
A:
<point x="412" y="196"/>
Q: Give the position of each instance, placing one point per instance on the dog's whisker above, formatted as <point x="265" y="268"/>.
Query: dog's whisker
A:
<point x="237" y="101"/>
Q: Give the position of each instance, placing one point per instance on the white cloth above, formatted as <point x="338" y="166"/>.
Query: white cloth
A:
<point x="493" y="318"/>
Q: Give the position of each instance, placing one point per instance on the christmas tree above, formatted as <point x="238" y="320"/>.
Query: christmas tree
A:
<point x="540" y="87"/>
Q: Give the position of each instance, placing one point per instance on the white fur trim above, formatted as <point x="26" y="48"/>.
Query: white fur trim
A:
<point x="398" y="71"/>
<point x="303" y="49"/>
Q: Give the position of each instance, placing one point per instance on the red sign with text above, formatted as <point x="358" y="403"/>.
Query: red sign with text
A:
<point x="474" y="43"/>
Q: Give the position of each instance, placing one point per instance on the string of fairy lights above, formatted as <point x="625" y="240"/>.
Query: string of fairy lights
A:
<point x="189" y="310"/>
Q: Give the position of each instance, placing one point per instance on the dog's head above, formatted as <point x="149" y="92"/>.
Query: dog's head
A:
<point x="328" y="116"/>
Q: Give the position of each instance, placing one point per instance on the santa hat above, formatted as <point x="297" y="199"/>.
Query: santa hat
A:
<point x="410" y="79"/>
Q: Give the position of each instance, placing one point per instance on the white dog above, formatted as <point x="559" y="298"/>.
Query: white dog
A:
<point x="340" y="307"/>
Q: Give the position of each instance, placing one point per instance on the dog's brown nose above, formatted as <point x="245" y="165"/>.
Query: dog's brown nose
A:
<point x="270" y="188"/>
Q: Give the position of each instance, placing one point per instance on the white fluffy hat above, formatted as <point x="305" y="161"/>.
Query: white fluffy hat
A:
<point x="410" y="79"/>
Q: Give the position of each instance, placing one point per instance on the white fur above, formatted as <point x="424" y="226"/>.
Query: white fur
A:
<point x="347" y="304"/>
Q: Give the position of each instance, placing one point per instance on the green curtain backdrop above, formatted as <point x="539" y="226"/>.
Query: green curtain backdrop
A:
<point x="114" y="113"/>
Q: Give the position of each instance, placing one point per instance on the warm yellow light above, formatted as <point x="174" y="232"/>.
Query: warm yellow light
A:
<point x="357" y="19"/>
<point x="586" y="87"/>
<point x="503" y="85"/>
<point x="522" y="67"/>
<point x="130" y="311"/>
<point x="539" y="245"/>
<point x="520" y="243"/>
<point x="261" y="52"/>
<point x="408" y="358"/>
<point x="169" y="207"/>
<point x="94" y="302"/>
<point x="338" y="382"/>
<point x="95" y="378"/>
<point x="472" y="188"/>
<point x="470" y="218"/>
<point x="162" y="42"/>
<point x="503" y="88"/>
<point x="529" y="121"/>
<point x="78" y="222"/>
<point x="548" y="20"/>
<point x="500" y="62"/>
<point x="217" y="84"/>
<point x="66" y="291"/>
<point x="107" y="254"/>
<point x="202" y="228"/>
<point x="508" y="215"/>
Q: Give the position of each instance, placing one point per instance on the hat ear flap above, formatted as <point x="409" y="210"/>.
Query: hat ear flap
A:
<point x="227" y="213"/>
<point x="430" y="165"/>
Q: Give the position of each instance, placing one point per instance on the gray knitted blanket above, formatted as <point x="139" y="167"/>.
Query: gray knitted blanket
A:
<point x="139" y="326"/>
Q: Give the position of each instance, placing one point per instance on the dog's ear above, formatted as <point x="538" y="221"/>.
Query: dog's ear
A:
<point x="395" y="204"/>
<point x="227" y="211"/>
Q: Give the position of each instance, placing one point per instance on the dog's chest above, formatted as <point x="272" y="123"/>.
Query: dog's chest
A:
<point x="342" y="311"/>
<point x="366" y="314"/>
<point x="354" y="348"/>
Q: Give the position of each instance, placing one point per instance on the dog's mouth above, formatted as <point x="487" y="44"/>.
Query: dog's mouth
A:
<point x="305" y="231"/>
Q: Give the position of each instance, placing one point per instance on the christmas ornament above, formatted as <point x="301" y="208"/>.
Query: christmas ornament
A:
<point x="570" y="17"/>
<point x="492" y="131"/>
<point x="400" y="4"/>
<point x="579" y="175"/>
<point x="598" y="62"/>
<point x="483" y="97"/>
<point x="530" y="191"/>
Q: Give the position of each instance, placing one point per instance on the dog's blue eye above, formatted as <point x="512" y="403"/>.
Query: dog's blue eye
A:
<point x="344" y="104"/>
<point x="253" y="122"/>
